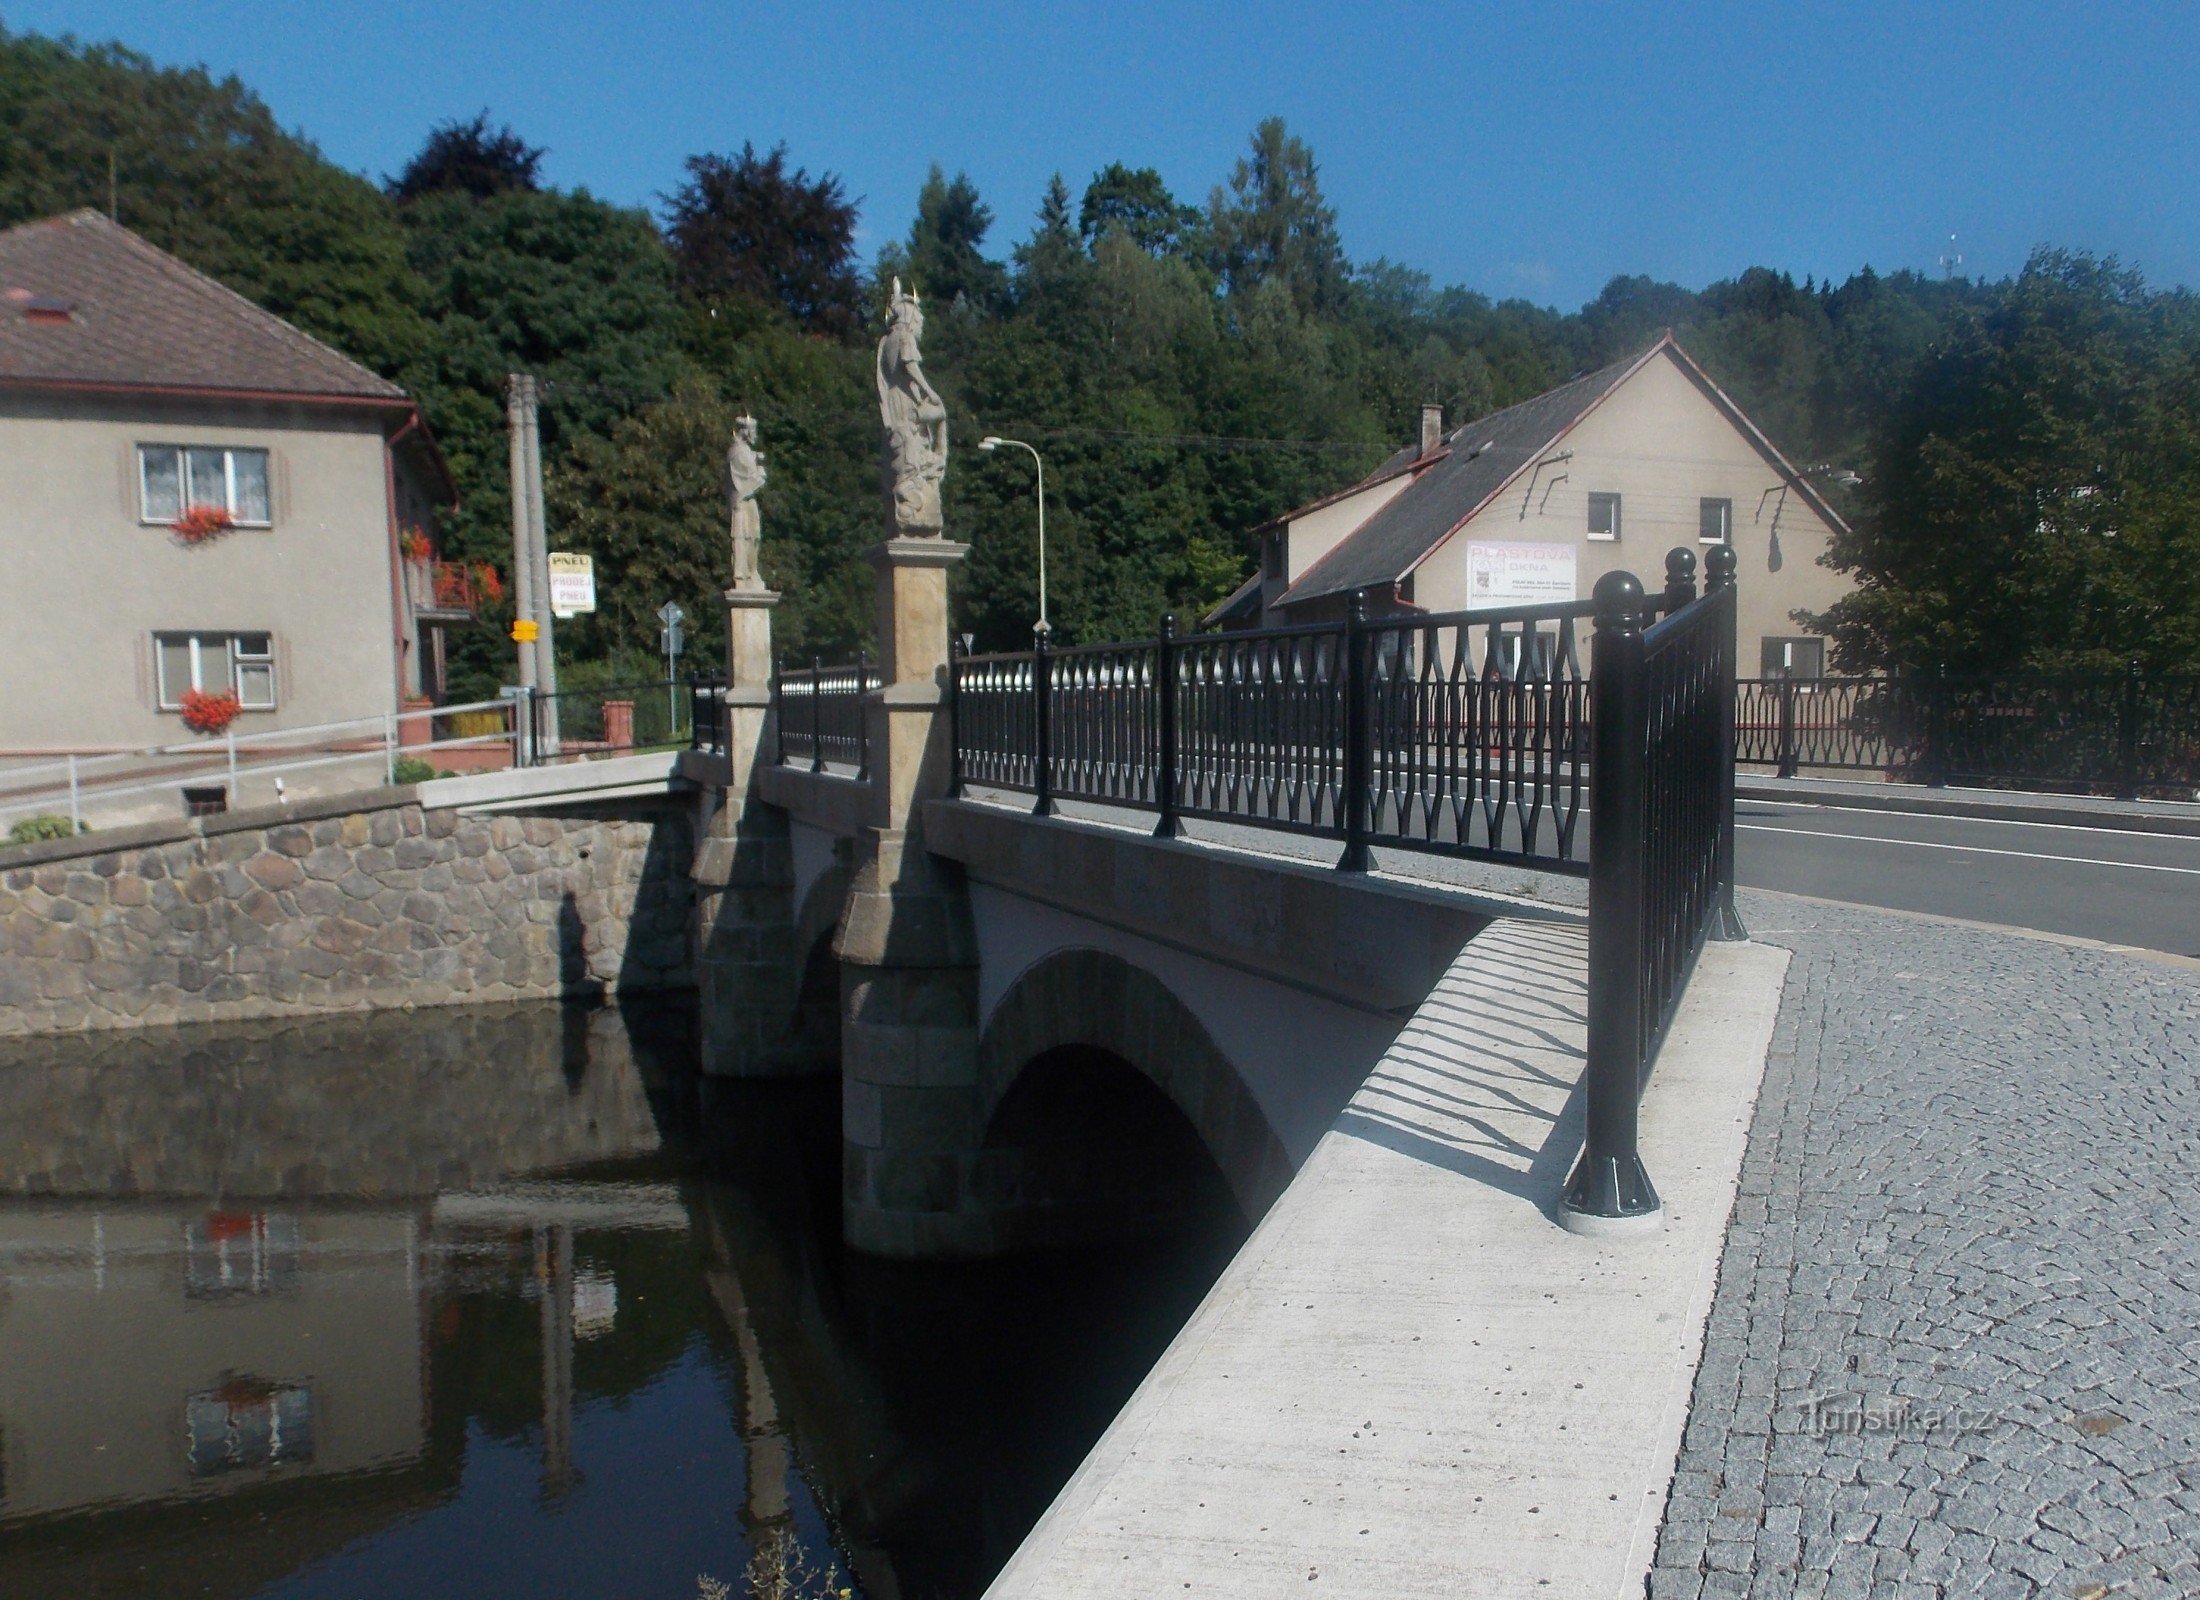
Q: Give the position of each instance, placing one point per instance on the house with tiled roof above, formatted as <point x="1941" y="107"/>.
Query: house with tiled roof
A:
<point x="1538" y="501"/>
<point x="196" y="497"/>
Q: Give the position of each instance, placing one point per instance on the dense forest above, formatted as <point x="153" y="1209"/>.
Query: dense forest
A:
<point x="2029" y="449"/>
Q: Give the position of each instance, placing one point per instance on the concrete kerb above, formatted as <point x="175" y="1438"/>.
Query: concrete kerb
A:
<point x="1983" y="805"/>
<point x="1388" y="1392"/>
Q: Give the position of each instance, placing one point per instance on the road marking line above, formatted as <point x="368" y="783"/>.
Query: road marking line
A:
<point x="1968" y="849"/>
<point x="1957" y="816"/>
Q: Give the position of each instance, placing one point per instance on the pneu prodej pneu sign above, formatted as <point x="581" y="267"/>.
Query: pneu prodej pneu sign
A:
<point x="572" y="583"/>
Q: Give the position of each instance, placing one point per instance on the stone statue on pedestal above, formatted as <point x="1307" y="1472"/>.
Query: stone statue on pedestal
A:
<point x="744" y="476"/>
<point x="916" y="422"/>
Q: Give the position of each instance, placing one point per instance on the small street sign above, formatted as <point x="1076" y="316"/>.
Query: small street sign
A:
<point x="572" y="583"/>
<point x="671" y="641"/>
<point x="525" y="630"/>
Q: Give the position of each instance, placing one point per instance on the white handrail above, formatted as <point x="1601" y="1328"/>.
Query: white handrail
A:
<point x="184" y="780"/>
<point x="255" y="740"/>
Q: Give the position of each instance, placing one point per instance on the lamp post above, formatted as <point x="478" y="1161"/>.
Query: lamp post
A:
<point x="993" y="442"/>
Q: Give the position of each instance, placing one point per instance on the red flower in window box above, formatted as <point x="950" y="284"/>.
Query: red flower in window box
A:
<point x="209" y="713"/>
<point x="414" y="545"/>
<point x="487" y="581"/>
<point x="201" y="523"/>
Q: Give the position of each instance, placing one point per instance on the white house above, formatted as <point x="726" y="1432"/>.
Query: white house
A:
<point x="142" y="402"/>
<point x="1538" y="501"/>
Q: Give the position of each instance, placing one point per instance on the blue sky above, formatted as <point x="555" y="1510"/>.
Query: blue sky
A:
<point x="1519" y="149"/>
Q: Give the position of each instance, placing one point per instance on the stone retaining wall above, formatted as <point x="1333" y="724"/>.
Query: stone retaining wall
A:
<point x="366" y="903"/>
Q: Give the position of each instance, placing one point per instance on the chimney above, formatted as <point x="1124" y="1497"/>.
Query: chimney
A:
<point x="1432" y="430"/>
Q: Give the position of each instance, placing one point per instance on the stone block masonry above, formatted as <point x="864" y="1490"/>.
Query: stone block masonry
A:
<point x="355" y="904"/>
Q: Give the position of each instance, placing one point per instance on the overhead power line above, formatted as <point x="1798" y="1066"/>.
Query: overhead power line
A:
<point x="550" y="388"/>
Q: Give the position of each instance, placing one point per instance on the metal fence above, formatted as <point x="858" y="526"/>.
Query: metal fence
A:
<point x="1464" y="733"/>
<point x="819" y="714"/>
<point x="614" y="719"/>
<point x="2127" y="734"/>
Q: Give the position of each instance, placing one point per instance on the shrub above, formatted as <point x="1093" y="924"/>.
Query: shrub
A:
<point x="46" y="825"/>
<point x="411" y="769"/>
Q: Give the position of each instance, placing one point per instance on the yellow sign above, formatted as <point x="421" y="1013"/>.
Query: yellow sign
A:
<point x="525" y="630"/>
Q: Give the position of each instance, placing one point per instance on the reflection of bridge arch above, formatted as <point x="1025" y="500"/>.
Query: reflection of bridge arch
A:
<point x="1076" y="1011"/>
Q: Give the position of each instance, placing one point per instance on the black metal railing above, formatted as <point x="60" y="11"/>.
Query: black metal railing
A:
<point x="818" y="711"/>
<point x="707" y="722"/>
<point x="609" y="720"/>
<point x="1464" y="733"/>
<point x="2123" y="733"/>
<point x="1661" y="878"/>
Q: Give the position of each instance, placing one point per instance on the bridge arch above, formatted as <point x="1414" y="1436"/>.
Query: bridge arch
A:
<point x="1074" y="1013"/>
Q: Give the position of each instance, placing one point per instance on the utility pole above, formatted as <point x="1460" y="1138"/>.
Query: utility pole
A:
<point x="519" y="422"/>
<point x="532" y="631"/>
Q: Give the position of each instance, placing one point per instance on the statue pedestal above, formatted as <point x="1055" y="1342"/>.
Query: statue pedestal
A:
<point x="748" y="961"/>
<point x="909" y="959"/>
<point x="909" y="754"/>
<point x="748" y="689"/>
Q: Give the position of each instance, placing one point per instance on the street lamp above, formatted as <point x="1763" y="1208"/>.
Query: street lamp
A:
<point x="992" y="442"/>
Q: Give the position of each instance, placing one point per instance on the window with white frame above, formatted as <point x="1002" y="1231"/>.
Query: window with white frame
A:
<point x="1792" y="658"/>
<point x="242" y="664"/>
<point x="1714" y="521"/>
<point x="1603" y="516"/>
<point x="173" y="478"/>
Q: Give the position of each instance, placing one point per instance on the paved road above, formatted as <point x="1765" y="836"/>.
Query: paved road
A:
<point x="2139" y="889"/>
<point x="1952" y="1349"/>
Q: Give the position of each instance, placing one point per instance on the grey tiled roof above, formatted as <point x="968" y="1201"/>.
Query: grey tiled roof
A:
<point x="135" y="315"/>
<point x="1479" y="458"/>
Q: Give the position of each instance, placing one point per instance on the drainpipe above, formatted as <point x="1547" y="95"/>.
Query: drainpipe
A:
<point x="397" y="561"/>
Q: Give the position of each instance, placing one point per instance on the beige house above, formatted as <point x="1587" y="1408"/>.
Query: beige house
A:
<point x="141" y="402"/>
<point x="1538" y="501"/>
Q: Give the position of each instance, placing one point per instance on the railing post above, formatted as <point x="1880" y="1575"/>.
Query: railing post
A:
<point x="1790" y="762"/>
<point x="817" y="713"/>
<point x="1609" y="1191"/>
<point x="1680" y="578"/>
<point x="863" y="721"/>
<point x="954" y="717"/>
<point x="1359" y="742"/>
<point x="1936" y="728"/>
<point x="76" y="800"/>
<point x="1171" y="826"/>
<point x="1719" y="580"/>
<point x="779" y="710"/>
<point x="1042" y="721"/>
<point x="2127" y="735"/>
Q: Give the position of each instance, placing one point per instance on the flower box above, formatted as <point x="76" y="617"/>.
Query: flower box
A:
<point x="209" y="713"/>
<point x="201" y="523"/>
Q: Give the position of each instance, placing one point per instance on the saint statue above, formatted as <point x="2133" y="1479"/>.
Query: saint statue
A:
<point x="915" y="419"/>
<point x="744" y="476"/>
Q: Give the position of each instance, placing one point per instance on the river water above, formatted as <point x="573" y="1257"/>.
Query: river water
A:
<point x="507" y="1301"/>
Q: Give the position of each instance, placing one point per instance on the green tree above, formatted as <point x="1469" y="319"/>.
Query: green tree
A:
<point x="1137" y="204"/>
<point x="470" y="158"/>
<point x="746" y="226"/>
<point x="1272" y="222"/>
<point x="2036" y="499"/>
<point x="944" y="257"/>
<point x="199" y="167"/>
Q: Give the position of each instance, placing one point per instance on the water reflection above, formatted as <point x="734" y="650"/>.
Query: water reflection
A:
<point x="504" y="1301"/>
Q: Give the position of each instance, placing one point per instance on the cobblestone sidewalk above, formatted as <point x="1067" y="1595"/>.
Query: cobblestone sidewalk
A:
<point x="1955" y="1349"/>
